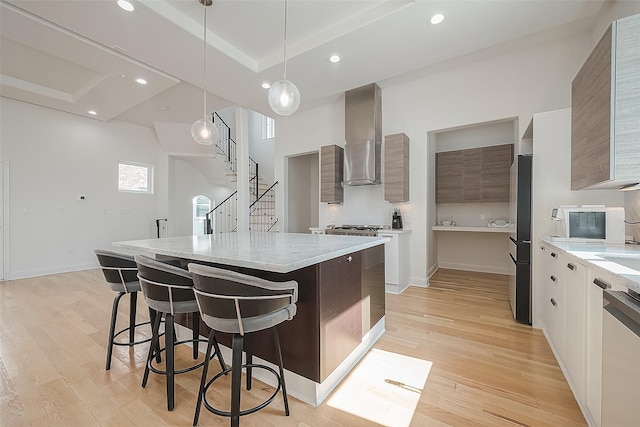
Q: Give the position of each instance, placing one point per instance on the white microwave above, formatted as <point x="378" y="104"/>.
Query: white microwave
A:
<point x="589" y="223"/>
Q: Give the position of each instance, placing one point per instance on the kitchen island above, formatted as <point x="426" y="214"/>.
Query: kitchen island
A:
<point x="341" y="296"/>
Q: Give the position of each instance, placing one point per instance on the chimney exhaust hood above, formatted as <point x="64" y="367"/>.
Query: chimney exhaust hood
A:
<point x="363" y="135"/>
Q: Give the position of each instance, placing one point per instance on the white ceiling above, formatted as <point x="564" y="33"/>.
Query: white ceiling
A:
<point x="76" y="55"/>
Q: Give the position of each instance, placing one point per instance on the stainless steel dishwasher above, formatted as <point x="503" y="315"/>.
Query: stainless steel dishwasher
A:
<point x="620" y="358"/>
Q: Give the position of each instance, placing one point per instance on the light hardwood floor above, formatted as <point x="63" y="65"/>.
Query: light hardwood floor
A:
<point x="486" y="369"/>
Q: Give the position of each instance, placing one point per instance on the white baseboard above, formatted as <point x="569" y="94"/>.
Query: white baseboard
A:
<point x="395" y="289"/>
<point x="25" y="274"/>
<point x="475" y="267"/>
<point x="583" y="405"/>
<point x="419" y="282"/>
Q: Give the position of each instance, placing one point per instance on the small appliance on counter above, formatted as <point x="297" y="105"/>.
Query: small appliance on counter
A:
<point x="396" y="219"/>
<point x="589" y="223"/>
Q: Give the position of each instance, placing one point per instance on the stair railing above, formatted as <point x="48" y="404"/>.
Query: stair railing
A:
<point x="228" y="147"/>
<point x="262" y="212"/>
<point x="226" y="215"/>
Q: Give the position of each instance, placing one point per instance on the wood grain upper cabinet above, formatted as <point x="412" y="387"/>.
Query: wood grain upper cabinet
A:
<point x="605" y="105"/>
<point x="474" y="175"/>
<point x="331" y="164"/>
<point x="449" y="177"/>
<point x="396" y="168"/>
<point x="495" y="172"/>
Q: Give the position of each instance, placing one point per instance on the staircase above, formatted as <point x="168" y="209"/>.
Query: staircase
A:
<point x="262" y="205"/>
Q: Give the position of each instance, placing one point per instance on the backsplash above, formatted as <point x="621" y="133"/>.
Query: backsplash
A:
<point x="632" y="213"/>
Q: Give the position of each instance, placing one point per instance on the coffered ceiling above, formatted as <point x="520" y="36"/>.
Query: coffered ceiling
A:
<point x="81" y="55"/>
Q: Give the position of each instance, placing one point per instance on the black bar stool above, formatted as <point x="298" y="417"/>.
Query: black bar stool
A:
<point x="120" y="271"/>
<point x="240" y="304"/>
<point x="169" y="290"/>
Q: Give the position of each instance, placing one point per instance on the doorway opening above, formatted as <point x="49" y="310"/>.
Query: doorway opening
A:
<point x="201" y="206"/>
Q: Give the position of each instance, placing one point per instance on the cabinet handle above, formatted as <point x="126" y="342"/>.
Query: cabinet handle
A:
<point x="571" y="266"/>
<point x="553" y="302"/>
<point x="601" y="283"/>
<point x="349" y="258"/>
<point x="554" y="278"/>
<point x="553" y="254"/>
<point x="542" y="248"/>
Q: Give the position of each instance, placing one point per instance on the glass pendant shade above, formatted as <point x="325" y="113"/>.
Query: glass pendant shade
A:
<point x="284" y="97"/>
<point x="204" y="132"/>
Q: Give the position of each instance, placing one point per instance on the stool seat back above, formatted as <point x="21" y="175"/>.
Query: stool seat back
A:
<point x="238" y="303"/>
<point x="119" y="270"/>
<point x="166" y="288"/>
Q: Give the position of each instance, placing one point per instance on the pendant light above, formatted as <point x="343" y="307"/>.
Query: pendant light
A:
<point x="284" y="96"/>
<point x="203" y="130"/>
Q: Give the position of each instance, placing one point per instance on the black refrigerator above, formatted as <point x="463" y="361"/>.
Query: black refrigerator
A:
<point x="520" y="241"/>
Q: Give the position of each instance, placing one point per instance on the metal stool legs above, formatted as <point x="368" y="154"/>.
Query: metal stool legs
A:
<point x="170" y="342"/>
<point x="131" y="328"/>
<point x="238" y="345"/>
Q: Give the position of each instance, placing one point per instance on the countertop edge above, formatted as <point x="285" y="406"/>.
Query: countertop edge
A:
<point x="586" y="254"/>
<point x="267" y="266"/>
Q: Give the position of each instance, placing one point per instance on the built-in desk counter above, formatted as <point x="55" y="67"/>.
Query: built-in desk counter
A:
<point x="341" y="302"/>
<point x="475" y="229"/>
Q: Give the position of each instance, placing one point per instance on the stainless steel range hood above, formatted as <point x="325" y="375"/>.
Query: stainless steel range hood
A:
<point x="363" y="135"/>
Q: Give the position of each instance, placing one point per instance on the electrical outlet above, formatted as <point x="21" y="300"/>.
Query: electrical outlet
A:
<point x="482" y="217"/>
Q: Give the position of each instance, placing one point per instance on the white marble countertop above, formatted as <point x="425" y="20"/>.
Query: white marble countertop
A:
<point x="594" y="255"/>
<point x="478" y="229"/>
<point x="278" y="252"/>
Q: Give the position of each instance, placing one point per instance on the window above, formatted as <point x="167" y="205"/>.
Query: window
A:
<point x="268" y="128"/>
<point x="135" y="178"/>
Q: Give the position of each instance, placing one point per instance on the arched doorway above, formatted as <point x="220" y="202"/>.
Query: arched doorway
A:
<point x="201" y="206"/>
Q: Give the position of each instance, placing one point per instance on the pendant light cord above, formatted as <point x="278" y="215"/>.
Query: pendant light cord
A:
<point x="285" y="40"/>
<point x="204" y="64"/>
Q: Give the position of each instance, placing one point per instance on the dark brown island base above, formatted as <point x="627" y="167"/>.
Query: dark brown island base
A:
<point x="340" y="309"/>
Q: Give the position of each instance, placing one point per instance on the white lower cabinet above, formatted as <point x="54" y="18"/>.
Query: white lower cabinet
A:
<point x="554" y="302"/>
<point x="396" y="261"/>
<point x="596" y="283"/>
<point x="575" y="277"/>
<point x="573" y="322"/>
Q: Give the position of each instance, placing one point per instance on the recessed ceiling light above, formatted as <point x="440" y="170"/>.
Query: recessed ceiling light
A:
<point x="126" y="5"/>
<point x="437" y="18"/>
<point x="92" y="112"/>
<point x="334" y="58"/>
<point x="266" y="85"/>
<point x="141" y="81"/>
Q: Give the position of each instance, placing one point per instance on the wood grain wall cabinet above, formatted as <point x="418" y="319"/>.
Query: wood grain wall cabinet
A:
<point x="396" y="168"/>
<point x="605" y="102"/>
<point x="474" y="175"/>
<point x="331" y="170"/>
<point x="449" y="177"/>
<point x="495" y="173"/>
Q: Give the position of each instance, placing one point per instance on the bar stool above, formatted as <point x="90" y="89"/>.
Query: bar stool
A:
<point x="120" y="271"/>
<point x="169" y="290"/>
<point x="240" y="304"/>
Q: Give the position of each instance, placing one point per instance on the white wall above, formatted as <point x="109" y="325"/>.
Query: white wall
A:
<point x="261" y="152"/>
<point x="47" y="230"/>
<point x="52" y="158"/>
<point x="304" y="183"/>
<point x="516" y="84"/>
<point x="186" y="183"/>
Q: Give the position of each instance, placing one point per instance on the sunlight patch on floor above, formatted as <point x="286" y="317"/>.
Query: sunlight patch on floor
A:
<point x="384" y="388"/>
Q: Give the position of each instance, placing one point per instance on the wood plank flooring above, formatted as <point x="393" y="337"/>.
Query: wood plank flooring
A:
<point x="486" y="369"/>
